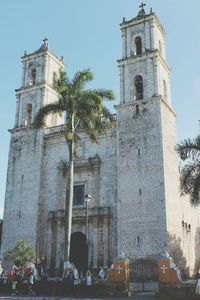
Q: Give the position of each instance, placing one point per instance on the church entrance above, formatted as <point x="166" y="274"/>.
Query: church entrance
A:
<point x="79" y="251"/>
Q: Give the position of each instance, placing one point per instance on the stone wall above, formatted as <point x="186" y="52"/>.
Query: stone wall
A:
<point x="23" y="188"/>
<point x="141" y="198"/>
<point x="96" y="170"/>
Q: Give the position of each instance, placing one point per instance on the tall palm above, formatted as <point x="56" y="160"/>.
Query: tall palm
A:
<point x="189" y="151"/>
<point x="83" y="108"/>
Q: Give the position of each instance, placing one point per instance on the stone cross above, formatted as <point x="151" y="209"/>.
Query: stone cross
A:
<point x="45" y="40"/>
<point x="142" y="5"/>
<point x="119" y="269"/>
<point x="164" y="268"/>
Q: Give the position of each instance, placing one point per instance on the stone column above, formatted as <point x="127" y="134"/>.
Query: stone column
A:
<point x="59" y="254"/>
<point x="156" y="77"/>
<point x="100" y="242"/>
<point x="17" y="111"/>
<point x="23" y="73"/>
<point x="95" y="243"/>
<point x="106" y="242"/>
<point x="48" y="250"/>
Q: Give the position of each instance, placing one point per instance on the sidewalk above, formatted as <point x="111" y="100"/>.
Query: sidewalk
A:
<point x="136" y="297"/>
<point x="141" y="296"/>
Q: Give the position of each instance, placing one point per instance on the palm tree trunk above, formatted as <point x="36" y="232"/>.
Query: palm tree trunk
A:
<point x="69" y="199"/>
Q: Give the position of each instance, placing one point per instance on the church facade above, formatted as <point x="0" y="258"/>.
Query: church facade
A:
<point x="132" y="175"/>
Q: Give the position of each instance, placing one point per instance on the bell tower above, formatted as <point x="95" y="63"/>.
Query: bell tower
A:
<point x="147" y="161"/>
<point x="144" y="72"/>
<point x="25" y="162"/>
<point x="38" y="71"/>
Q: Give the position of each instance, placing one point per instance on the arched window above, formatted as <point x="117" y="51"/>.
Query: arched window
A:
<point x="160" y="47"/>
<point x="164" y="89"/>
<point x="28" y="114"/>
<point x="33" y="76"/>
<point x="138" y="45"/>
<point x="139" y="87"/>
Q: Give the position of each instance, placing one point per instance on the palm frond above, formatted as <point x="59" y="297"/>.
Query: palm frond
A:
<point x="105" y="94"/>
<point x="107" y="115"/>
<point x="86" y="124"/>
<point x="39" y="120"/>
<point x="186" y="180"/>
<point x="190" y="182"/>
<point x="80" y="79"/>
<point x="189" y="148"/>
<point x="89" y="102"/>
<point x="62" y="83"/>
<point x="195" y="195"/>
<point x="100" y="127"/>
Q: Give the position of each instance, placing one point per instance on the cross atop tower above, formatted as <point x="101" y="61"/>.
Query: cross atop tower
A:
<point x="142" y="11"/>
<point x="45" y="42"/>
<point x="142" y="6"/>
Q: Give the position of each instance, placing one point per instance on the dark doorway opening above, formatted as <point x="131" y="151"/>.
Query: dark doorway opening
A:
<point x="79" y="251"/>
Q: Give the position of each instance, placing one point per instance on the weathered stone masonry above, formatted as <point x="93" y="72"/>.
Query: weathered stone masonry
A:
<point x="132" y="175"/>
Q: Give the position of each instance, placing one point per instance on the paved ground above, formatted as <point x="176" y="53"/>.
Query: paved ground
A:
<point x="144" y="296"/>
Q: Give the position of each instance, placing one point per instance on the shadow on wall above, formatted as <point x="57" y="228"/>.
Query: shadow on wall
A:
<point x="197" y="251"/>
<point x="176" y="252"/>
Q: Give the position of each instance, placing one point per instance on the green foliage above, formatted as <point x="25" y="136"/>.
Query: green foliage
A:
<point x="189" y="149"/>
<point x="21" y="254"/>
<point x="83" y="107"/>
<point x="189" y="152"/>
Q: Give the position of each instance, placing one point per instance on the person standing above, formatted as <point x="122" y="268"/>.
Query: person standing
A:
<point x="101" y="273"/>
<point x="88" y="278"/>
<point x="198" y="285"/>
<point x="15" y="281"/>
<point x="30" y="281"/>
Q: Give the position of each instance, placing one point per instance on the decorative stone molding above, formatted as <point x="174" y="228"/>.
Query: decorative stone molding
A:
<point x="79" y="213"/>
<point x="90" y="164"/>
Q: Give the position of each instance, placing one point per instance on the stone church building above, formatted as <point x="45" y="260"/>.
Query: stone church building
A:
<point x="132" y="175"/>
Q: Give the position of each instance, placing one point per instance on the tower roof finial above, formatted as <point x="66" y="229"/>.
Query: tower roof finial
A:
<point x="45" y="43"/>
<point x="142" y="5"/>
<point x="142" y="11"/>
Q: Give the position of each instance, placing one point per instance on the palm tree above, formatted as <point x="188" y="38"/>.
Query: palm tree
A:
<point x="82" y="108"/>
<point x="189" y="151"/>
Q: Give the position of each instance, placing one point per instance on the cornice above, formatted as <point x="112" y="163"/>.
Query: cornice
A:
<point x="30" y="88"/>
<point x="139" y="20"/>
<point x="79" y="213"/>
<point x="149" y="54"/>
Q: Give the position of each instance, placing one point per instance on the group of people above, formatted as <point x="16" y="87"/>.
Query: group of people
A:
<point x="22" y="279"/>
<point x="18" y="276"/>
<point x="74" y="277"/>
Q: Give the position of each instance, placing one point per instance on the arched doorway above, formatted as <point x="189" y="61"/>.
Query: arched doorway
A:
<point x="79" y="251"/>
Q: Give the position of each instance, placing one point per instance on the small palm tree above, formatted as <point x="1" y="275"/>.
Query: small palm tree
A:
<point x="83" y="108"/>
<point x="189" y="151"/>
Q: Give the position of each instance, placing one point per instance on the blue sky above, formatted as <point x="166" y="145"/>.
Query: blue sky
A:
<point x="86" y="33"/>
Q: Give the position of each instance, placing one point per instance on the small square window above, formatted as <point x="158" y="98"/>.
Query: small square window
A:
<point x="79" y="191"/>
